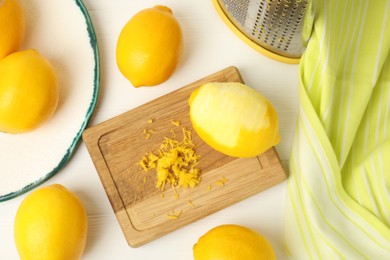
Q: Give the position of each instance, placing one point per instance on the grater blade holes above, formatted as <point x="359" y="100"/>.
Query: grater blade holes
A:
<point x="275" y="25"/>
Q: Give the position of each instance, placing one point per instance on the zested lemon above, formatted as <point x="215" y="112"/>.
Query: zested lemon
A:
<point x="150" y="47"/>
<point x="28" y="91"/>
<point x="12" y="26"/>
<point x="233" y="242"/>
<point x="234" y="119"/>
<point x="51" y="224"/>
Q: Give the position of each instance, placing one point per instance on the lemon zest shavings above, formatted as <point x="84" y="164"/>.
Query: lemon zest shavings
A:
<point x="173" y="133"/>
<point x="175" y="122"/>
<point x="148" y="133"/>
<point x="174" y="215"/>
<point x="175" y="162"/>
<point x="221" y="182"/>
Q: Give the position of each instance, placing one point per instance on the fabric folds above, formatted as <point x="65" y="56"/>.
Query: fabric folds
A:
<point x="338" y="204"/>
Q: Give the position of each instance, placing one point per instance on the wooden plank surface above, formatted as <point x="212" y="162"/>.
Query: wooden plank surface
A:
<point x="118" y="144"/>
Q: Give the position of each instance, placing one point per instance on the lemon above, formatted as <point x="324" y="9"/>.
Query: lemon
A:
<point x="150" y="46"/>
<point x="234" y="119"/>
<point x="12" y="26"/>
<point x="232" y="242"/>
<point x="28" y="91"/>
<point x="51" y="224"/>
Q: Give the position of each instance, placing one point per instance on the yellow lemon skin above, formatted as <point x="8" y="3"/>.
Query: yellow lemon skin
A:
<point x="150" y="47"/>
<point x="234" y="119"/>
<point x="233" y="242"/>
<point x="12" y="26"/>
<point x="29" y="91"/>
<point x="51" y="224"/>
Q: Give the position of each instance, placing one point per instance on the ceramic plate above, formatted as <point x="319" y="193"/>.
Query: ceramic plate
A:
<point x="61" y="31"/>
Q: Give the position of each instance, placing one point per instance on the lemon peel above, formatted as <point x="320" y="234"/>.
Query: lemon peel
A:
<point x="13" y="26"/>
<point x="51" y="223"/>
<point x="150" y="46"/>
<point x="29" y="91"/>
<point x="233" y="242"/>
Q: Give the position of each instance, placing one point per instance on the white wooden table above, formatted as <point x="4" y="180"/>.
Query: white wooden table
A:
<point x="209" y="47"/>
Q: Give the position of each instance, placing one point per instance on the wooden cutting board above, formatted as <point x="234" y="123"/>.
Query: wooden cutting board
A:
<point x="145" y="212"/>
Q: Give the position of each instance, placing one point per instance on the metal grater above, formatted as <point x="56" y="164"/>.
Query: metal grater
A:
<point x="275" y="25"/>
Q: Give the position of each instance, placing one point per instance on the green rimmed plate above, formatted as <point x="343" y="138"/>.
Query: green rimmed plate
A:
<point x="62" y="31"/>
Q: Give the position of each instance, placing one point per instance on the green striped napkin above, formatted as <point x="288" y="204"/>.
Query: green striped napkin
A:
<point x="338" y="204"/>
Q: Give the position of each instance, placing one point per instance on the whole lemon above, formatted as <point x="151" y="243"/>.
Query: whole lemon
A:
<point x="12" y="26"/>
<point x="234" y="119"/>
<point x="150" y="47"/>
<point x="233" y="242"/>
<point x="28" y="91"/>
<point x="51" y="223"/>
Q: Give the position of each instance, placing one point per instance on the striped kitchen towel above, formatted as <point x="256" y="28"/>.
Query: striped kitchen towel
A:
<point x="338" y="204"/>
